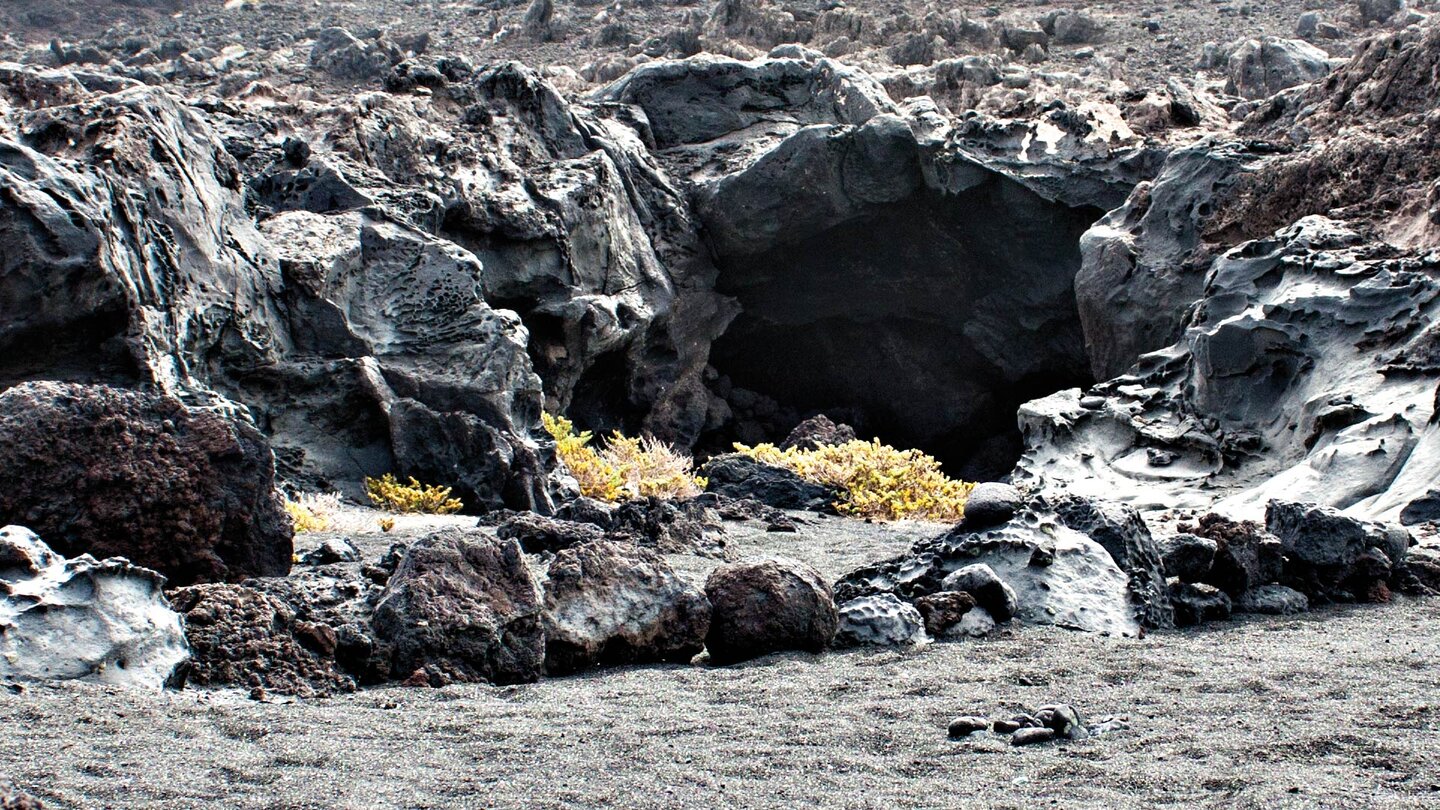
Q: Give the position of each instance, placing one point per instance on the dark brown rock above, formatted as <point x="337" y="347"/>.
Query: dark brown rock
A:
<point x="465" y="607"/>
<point x="118" y="473"/>
<point x="611" y="603"/>
<point x="818" y="431"/>
<point x="240" y="637"/>
<point x="13" y="798"/>
<point x="764" y="606"/>
<point x="944" y="610"/>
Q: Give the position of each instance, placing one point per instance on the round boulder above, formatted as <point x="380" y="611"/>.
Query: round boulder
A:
<point x="463" y="607"/>
<point x="987" y="588"/>
<point x="880" y="620"/>
<point x="990" y="504"/>
<point x="119" y="473"/>
<point x="610" y="603"/>
<point x="768" y="605"/>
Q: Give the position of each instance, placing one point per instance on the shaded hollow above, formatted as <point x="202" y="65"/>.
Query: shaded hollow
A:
<point x="929" y="319"/>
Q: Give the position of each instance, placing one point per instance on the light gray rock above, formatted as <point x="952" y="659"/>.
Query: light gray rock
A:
<point x="106" y="621"/>
<point x="1262" y="67"/>
<point x="610" y="603"/>
<point x="976" y="623"/>
<point x="880" y="620"/>
<point x="1122" y="532"/>
<point x="991" y="504"/>
<point x="1274" y="600"/>
<point x="989" y="591"/>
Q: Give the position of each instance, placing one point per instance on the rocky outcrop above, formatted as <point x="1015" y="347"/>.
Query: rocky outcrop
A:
<point x="1263" y="67"/>
<point x="1122" y="532"/>
<point x="106" y="621"/>
<point x="240" y="637"/>
<point x="742" y="477"/>
<point x="1330" y="555"/>
<point x="608" y="604"/>
<point x="463" y="606"/>
<point x="112" y="472"/>
<point x="765" y="606"/>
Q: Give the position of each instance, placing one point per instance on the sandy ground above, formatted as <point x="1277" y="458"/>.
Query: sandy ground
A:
<point x="1338" y="708"/>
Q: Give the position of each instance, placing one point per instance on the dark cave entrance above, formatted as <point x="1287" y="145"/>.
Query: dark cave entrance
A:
<point x="926" y="323"/>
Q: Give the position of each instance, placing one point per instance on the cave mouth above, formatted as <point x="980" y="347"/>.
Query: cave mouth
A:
<point x="925" y="323"/>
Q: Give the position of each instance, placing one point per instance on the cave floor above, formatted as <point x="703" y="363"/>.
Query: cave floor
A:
<point x="1336" y="708"/>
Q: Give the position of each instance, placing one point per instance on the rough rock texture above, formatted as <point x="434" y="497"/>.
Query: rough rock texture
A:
<point x="765" y="606"/>
<point x="1187" y="557"/>
<point x="120" y="473"/>
<point x="241" y="637"/>
<point x="736" y="476"/>
<point x="1275" y="600"/>
<point x="463" y="606"/>
<point x="670" y="527"/>
<point x="818" y="431"/>
<point x="13" y="798"/>
<point x="1263" y="67"/>
<point x="1197" y="603"/>
<point x="1330" y="555"/>
<point x="342" y="598"/>
<point x="944" y="610"/>
<point x="1246" y="555"/>
<point x="537" y="533"/>
<point x="1058" y="575"/>
<point x="880" y="620"/>
<point x="989" y="592"/>
<point x="1123" y="533"/>
<point x="69" y="619"/>
<point x="610" y="603"/>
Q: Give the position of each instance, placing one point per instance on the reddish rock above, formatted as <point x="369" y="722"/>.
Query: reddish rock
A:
<point x="765" y="606"/>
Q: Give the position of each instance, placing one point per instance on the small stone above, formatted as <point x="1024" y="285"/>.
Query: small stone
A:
<point x="1062" y="719"/>
<point x="990" y="504"/>
<point x="1032" y="736"/>
<point x="1092" y="403"/>
<point x="1007" y="726"/>
<point x="944" y="610"/>
<point x="965" y="726"/>
<point x="990" y="592"/>
<point x="332" y="550"/>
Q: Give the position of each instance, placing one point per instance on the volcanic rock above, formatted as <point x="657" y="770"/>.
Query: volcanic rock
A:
<point x="1275" y="600"/>
<point x="609" y="603"/>
<point x="990" y="593"/>
<point x="537" y="533"/>
<point x="464" y="607"/>
<point x="944" y="610"/>
<point x="1197" y="603"/>
<point x="737" y="476"/>
<point x="1331" y="555"/>
<point x="880" y="620"/>
<point x="990" y="504"/>
<point x="1187" y="556"/>
<point x="768" y="605"/>
<point x="106" y="621"/>
<point x="818" y="431"/>
<point x="121" y="473"/>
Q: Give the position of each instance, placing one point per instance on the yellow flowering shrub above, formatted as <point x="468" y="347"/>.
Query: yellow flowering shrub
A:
<point x="878" y="481"/>
<point x="312" y="511"/>
<point x="388" y="493"/>
<point x="625" y="467"/>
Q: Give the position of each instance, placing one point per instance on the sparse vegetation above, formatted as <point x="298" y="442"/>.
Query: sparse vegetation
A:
<point x="626" y="467"/>
<point x="412" y="497"/>
<point x="386" y="524"/>
<point x="312" y="512"/>
<point x="878" y="480"/>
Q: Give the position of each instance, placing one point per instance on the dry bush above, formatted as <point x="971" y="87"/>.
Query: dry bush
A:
<point x="413" y="497"/>
<point x="625" y="468"/>
<point x="878" y="480"/>
<point x="312" y="511"/>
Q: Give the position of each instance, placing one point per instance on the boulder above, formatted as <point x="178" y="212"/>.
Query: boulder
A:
<point x="768" y="605"/>
<point x="537" y="533"/>
<point x="818" y="431"/>
<point x="240" y="637"/>
<point x="944" y="610"/>
<point x="1378" y="11"/>
<point x="608" y="604"/>
<point x="987" y="589"/>
<point x="1197" y="603"/>
<point x="1058" y="575"/>
<point x="112" y="472"/>
<point x="880" y="620"/>
<point x="1246" y="556"/>
<point x="339" y="53"/>
<point x="105" y="621"/>
<point x="1274" y="600"/>
<point x="738" y="476"/>
<point x="1330" y="555"/>
<point x="463" y="606"/>
<point x="330" y="551"/>
<point x="1262" y="67"/>
<point x="991" y="504"/>
<point x="337" y="602"/>
<point x="1187" y="557"/>
<point x="670" y="527"/>
<point x="1123" y="533"/>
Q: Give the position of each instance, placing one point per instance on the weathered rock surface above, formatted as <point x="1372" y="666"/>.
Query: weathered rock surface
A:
<point x="991" y="504"/>
<point x="106" y="621"/>
<point x="1058" y="575"/>
<point x="1275" y="600"/>
<point x="880" y="620"/>
<point x="537" y="533"/>
<point x="609" y="603"/>
<point x="736" y="476"/>
<point x="765" y="606"/>
<point x="1197" y="603"/>
<point x="986" y="588"/>
<point x="463" y="606"/>
<point x="111" y="472"/>
<point x="1187" y="557"/>
<point x="240" y="637"/>
<point x="1122" y="532"/>
<point x="1330" y="555"/>
<point x="816" y="432"/>
<point x="944" y="610"/>
<point x="1263" y="67"/>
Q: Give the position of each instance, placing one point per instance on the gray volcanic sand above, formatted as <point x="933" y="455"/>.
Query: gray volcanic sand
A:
<point x="1338" y="708"/>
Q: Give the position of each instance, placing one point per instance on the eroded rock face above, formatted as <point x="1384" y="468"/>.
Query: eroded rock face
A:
<point x="1334" y="556"/>
<point x="765" y="606"/>
<point x="1263" y="67"/>
<point x="1122" y="532"/>
<point x="106" y="621"/>
<point x="463" y="606"/>
<point x="608" y="604"/>
<point x="240" y="637"/>
<point x="119" y="473"/>
<point x="880" y="620"/>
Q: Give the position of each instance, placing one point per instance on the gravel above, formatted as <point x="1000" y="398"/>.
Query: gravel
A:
<point x="1336" y="708"/>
